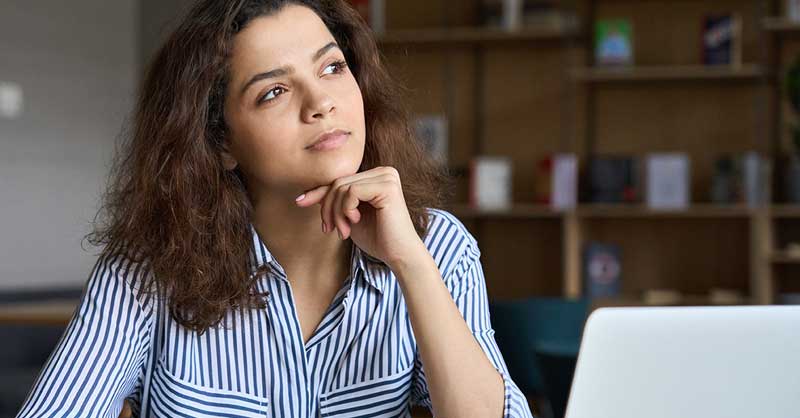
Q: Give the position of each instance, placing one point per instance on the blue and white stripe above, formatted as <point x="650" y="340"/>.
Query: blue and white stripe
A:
<point x="362" y="360"/>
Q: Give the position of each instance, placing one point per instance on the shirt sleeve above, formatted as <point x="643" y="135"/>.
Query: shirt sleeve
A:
<point x="467" y="285"/>
<point x="100" y="358"/>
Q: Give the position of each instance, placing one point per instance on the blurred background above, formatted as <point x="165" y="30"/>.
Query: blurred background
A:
<point x="608" y="153"/>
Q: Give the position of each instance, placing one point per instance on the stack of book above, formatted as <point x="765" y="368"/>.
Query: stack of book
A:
<point x="516" y="14"/>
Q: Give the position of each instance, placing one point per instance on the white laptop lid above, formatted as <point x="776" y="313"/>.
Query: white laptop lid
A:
<point x="689" y="362"/>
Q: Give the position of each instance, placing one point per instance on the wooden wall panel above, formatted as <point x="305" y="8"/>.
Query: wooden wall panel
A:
<point x="789" y="51"/>
<point x="521" y="258"/>
<point x="526" y="103"/>
<point x="404" y="14"/>
<point x="690" y="255"/>
<point x="703" y="120"/>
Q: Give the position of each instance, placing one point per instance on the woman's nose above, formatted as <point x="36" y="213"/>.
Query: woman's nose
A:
<point x="319" y="105"/>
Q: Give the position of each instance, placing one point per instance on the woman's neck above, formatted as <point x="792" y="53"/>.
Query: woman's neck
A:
<point x="294" y="237"/>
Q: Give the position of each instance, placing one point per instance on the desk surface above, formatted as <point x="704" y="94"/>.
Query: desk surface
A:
<point x="51" y="312"/>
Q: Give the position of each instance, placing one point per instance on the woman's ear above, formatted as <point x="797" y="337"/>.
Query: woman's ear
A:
<point x="228" y="162"/>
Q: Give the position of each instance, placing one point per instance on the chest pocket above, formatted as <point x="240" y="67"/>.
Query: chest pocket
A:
<point x="172" y="396"/>
<point x="384" y="397"/>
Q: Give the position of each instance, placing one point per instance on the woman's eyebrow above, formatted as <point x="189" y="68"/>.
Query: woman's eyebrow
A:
<point x="278" y="72"/>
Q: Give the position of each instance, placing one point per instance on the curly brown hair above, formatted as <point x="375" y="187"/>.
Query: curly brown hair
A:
<point x="171" y="205"/>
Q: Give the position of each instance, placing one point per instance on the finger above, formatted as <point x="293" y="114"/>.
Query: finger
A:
<point x="350" y="207"/>
<point x="338" y="216"/>
<point x="326" y="210"/>
<point x="346" y="203"/>
<point x="322" y="195"/>
<point x="330" y="208"/>
<point x="315" y="195"/>
<point x="372" y="193"/>
<point x="312" y="196"/>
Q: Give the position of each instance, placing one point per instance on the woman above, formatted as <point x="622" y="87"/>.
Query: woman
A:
<point x="262" y="126"/>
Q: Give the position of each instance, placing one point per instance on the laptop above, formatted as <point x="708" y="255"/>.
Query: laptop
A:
<point x="688" y="362"/>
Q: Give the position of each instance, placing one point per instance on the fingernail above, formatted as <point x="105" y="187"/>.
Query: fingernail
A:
<point x="299" y="198"/>
<point x="324" y="228"/>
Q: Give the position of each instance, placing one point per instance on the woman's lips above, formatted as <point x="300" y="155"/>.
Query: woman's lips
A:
<point x="332" y="142"/>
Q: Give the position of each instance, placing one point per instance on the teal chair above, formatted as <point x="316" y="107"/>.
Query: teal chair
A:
<point x="540" y="338"/>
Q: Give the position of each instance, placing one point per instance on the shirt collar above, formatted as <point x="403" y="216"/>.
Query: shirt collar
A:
<point x="359" y="261"/>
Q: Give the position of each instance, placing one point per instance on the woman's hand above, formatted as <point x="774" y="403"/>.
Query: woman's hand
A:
<point x="368" y="207"/>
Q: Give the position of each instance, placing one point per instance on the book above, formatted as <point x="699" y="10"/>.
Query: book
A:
<point x="742" y="179"/>
<point x="431" y="131"/>
<point x="564" y="182"/>
<point x="724" y="181"/>
<point x="503" y="14"/>
<point x="724" y="296"/>
<point x="755" y="179"/>
<point x="722" y="39"/>
<point x="513" y="14"/>
<point x="557" y="181"/>
<point x="613" y="42"/>
<point x="490" y="182"/>
<point x="373" y="12"/>
<point x="668" y="181"/>
<point x="792" y="10"/>
<point x="613" y="179"/>
<point x="661" y="297"/>
<point x="602" y="270"/>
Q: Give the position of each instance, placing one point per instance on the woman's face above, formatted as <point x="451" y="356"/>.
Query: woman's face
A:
<point x="287" y="87"/>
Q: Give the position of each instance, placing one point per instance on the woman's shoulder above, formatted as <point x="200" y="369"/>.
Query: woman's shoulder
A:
<point x="449" y="241"/>
<point x="117" y="278"/>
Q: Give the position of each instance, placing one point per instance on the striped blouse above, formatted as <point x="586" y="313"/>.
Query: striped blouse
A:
<point x="362" y="360"/>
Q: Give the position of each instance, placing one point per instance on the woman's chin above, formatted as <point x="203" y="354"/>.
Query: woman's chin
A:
<point x="325" y="176"/>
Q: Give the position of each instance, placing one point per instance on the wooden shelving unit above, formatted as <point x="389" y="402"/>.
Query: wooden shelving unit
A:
<point x="783" y="258"/>
<point x="533" y="211"/>
<point x="628" y="300"/>
<point x="785" y="211"/>
<point x="697" y="211"/>
<point x="471" y="35"/>
<point x="669" y="73"/>
<point x="779" y="24"/>
<point x="535" y="92"/>
<point x="525" y="211"/>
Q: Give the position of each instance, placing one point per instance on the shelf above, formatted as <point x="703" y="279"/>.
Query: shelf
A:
<point x="640" y="211"/>
<point x="669" y="73"/>
<point x="785" y="211"/>
<point x="532" y="211"/>
<point x="634" y="301"/>
<point x="781" y="257"/>
<point x="524" y="211"/>
<point x="55" y="312"/>
<point x="472" y="35"/>
<point x="781" y="25"/>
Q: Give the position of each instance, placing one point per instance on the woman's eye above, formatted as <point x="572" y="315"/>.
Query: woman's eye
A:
<point x="338" y="66"/>
<point x="270" y="95"/>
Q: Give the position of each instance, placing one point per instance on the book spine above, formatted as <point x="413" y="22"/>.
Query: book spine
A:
<point x="377" y="15"/>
